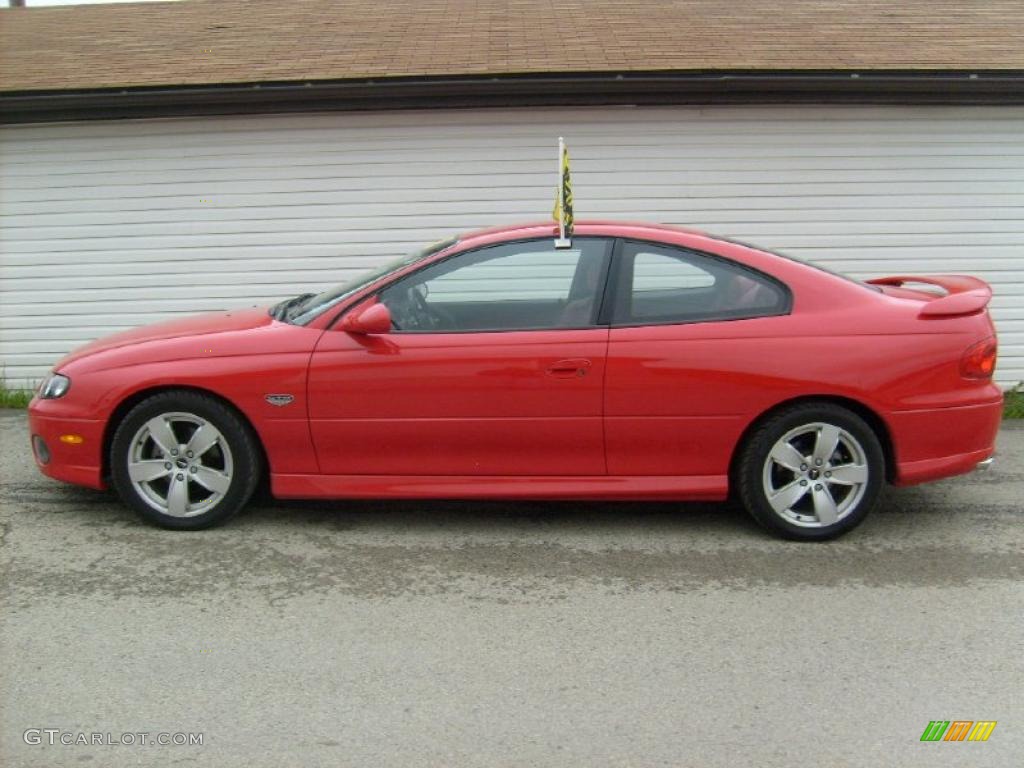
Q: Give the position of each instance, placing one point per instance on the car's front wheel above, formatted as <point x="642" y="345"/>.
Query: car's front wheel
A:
<point x="184" y="460"/>
<point x="811" y="472"/>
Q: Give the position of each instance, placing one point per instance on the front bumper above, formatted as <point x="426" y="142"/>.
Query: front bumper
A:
<point x="81" y="462"/>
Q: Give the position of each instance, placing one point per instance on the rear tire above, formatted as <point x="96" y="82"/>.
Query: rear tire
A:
<point x="811" y="472"/>
<point x="184" y="460"/>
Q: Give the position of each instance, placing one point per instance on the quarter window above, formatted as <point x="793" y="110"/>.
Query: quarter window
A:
<point x="661" y="284"/>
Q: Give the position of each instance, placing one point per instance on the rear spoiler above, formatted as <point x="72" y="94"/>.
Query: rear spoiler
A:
<point x="964" y="295"/>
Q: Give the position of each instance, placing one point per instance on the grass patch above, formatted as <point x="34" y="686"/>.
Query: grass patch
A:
<point x="14" y="398"/>
<point x="1013" y="402"/>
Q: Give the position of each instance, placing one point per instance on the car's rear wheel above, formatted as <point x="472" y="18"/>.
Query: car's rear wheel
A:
<point x="184" y="460"/>
<point x="811" y="472"/>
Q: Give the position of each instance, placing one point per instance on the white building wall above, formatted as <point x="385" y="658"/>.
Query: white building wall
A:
<point x="107" y="225"/>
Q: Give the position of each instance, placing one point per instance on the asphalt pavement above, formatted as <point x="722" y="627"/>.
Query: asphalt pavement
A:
<point x="508" y="634"/>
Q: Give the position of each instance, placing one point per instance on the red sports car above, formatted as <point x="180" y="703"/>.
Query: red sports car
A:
<point x="639" y="362"/>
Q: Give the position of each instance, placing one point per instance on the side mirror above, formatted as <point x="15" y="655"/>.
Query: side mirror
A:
<point x="367" y="319"/>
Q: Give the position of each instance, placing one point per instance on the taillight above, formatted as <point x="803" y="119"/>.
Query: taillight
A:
<point x="979" y="361"/>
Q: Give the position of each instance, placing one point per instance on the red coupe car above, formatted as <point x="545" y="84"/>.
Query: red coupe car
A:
<point x="639" y="362"/>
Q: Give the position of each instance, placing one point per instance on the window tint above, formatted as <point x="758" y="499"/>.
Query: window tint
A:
<point x="661" y="272"/>
<point x="661" y="284"/>
<point x="540" y="275"/>
<point x="514" y="286"/>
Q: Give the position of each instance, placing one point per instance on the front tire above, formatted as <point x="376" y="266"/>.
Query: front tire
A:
<point x="811" y="472"/>
<point x="184" y="460"/>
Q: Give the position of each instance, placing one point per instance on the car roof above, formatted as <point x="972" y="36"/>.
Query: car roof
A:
<point x="583" y="227"/>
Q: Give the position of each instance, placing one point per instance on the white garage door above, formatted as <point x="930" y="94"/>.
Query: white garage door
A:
<point x="107" y="225"/>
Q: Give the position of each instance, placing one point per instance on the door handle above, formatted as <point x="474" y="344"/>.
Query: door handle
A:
<point x="570" y="368"/>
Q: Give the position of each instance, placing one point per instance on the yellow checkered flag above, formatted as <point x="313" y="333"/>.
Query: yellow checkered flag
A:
<point x="562" y="212"/>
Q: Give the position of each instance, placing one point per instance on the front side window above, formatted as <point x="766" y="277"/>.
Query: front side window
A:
<point x="513" y="286"/>
<point x="662" y="284"/>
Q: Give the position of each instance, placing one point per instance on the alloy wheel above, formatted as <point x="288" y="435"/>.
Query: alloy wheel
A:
<point x="815" y="475"/>
<point x="180" y="464"/>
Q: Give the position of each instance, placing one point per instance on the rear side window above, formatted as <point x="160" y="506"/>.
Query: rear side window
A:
<point x="662" y="285"/>
<point x="653" y="271"/>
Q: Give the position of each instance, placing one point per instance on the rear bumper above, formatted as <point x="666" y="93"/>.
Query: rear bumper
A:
<point x="942" y="442"/>
<point x="78" y="463"/>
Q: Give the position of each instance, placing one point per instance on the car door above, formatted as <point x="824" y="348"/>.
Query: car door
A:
<point x="685" y="358"/>
<point x="494" y="366"/>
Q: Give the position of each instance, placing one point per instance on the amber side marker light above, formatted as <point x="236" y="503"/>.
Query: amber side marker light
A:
<point x="72" y="439"/>
<point x="979" y="361"/>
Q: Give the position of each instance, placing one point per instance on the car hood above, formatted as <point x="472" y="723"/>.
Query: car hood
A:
<point x="194" y="325"/>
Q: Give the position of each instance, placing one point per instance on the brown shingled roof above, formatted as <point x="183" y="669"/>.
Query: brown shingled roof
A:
<point x="199" y="42"/>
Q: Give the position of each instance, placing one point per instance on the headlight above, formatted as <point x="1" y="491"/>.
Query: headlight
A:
<point x="55" y="386"/>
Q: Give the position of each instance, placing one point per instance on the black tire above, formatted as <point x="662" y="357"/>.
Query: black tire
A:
<point x="242" y="452"/>
<point x="799" y="521"/>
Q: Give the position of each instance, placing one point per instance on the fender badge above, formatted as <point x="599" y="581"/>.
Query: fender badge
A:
<point x="279" y="400"/>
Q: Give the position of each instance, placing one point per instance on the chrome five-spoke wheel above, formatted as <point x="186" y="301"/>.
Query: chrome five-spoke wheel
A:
<point x="180" y="464"/>
<point x="815" y="474"/>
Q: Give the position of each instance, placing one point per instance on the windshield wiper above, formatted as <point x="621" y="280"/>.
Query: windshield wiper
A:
<point x="281" y="310"/>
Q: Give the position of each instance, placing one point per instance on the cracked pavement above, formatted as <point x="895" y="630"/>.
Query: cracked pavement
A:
<point x="511" y="634"/>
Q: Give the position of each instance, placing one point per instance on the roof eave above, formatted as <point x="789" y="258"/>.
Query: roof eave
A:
<point x="1003" y="87"/>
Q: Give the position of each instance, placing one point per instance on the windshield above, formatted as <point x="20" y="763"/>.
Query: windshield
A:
<point x="308" y="306"/>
